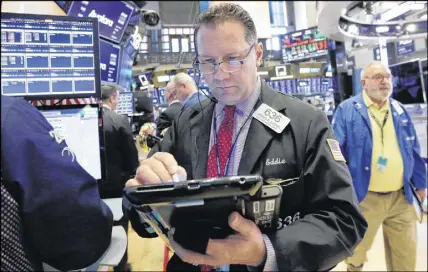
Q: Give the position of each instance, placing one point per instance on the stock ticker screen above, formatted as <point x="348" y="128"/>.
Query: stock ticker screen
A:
<point x="49" y="56"/>
<point x="303" y="44"/>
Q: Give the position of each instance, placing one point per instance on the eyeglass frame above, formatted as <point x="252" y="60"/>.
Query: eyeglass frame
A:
<point x="218" y="64"/>
<point x="379" y="80"/>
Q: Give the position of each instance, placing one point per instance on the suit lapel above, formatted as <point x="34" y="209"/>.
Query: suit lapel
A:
<point x="200" y="128"/>
<point x="259" y="135"/>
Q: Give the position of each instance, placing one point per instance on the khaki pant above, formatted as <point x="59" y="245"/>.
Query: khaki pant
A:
<point x="398" y="220"/>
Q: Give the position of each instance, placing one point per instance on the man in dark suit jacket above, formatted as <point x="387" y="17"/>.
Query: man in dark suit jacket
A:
<point x="174" y="108"/>
<point x="121" y="154"/>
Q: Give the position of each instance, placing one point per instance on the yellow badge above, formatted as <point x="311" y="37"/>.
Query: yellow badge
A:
<point x="335" y="150"/>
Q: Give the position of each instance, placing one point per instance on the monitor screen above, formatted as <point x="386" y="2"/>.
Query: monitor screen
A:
<point x="125" y="71"/>
<point x="109" y="61"/>
<point x="79" y="125"/>
<point x="407" y="83"/>
<point x="46" y="57"/>
<point x="126" y="103"/>
<point x="113" y="16"/>
<point x="303" y="44"/>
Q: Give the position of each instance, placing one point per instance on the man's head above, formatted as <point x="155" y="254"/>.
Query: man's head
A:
<point x="170" y="93"/>
<point x="109" y="96"/>
<point x="226" y="33"/>
<point x="376" y="80"/>
<point x="182" y="85"/>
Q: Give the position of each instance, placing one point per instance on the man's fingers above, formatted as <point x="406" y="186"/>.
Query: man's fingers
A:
<point x="132" y="182"/>
<point x="168" y="161"/>
<point x="189" y="256"/>
<point x="145" y="174"/>
<point x="241" y="225"/>
<point x="159" y="169"/>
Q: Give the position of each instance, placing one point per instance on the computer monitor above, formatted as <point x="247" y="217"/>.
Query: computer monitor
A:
<point x="109" y="61"/>
<point x="45" y="57"/>
<point x="113" y="16"/>
<point x="80" y="126"/>
<point x="126" y="103"/>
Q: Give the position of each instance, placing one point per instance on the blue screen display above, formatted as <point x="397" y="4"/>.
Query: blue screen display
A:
<point x="113" y="16"/>
<point x="47" y="57"/>
<point x="109" y="61"/>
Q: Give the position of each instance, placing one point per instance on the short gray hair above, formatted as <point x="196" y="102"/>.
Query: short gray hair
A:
<point x="368" y="66"/>
<point x="107" y="91"/>
<point x="228" y="12"/>
<point x="182" y="78"/>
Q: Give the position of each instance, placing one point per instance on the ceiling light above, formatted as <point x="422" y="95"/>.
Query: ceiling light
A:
<point x="411" y="28"/>
<point x="353" y="29"/>
<point x="382" y="29"/>
<point x="416" y="6"/>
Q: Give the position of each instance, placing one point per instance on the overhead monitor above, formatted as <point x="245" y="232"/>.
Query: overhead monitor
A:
<point x="46" y="57"/>
<point x="303" y="44"/>
<point x="109" y="61"/>
<point x="113" y="16"/>
<point x="125" y="71"/>
<point x="79" y="126"/>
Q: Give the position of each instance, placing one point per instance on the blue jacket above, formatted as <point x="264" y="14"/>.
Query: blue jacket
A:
<point x="352" y="128"/>
<point x="196" y="98"/>
<point x="65" y="222"/>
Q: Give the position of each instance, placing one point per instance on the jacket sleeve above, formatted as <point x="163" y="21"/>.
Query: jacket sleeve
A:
<point x="163" y="122"/>
<point x="66" y="224"/>
<point x="129" y="149"/>
<point x="339" y="127"/>
<point x="332" y="224"/>
<point x="419" y="175"/>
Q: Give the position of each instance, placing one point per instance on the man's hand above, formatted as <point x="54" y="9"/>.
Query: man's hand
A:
<point x="246" y="247"/>
<point x="422" y="194"/>
<point x="157" y="169"/>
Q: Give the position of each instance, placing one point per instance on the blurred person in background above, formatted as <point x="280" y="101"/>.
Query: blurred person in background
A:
<point x="186" y="90"/>
<point x="121" y="155"/>
<point x="51" y="211"/>
<point x="380" y="145"/>
<point x="174" y="108"/>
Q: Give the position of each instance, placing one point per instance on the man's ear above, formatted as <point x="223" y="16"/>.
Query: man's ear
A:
<point x="259" y="53"/>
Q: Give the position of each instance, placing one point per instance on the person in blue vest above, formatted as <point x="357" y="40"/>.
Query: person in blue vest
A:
<point x="379" y="142"/>
<point x="51" y="210"/>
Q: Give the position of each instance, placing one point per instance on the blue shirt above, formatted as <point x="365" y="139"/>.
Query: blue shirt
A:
<point x="352" y="128"/>
<point x="65" y="222"/>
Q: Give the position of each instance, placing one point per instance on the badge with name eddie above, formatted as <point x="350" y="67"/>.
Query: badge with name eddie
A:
<point x="271" y="118"/>
<point x="381" y="164"/>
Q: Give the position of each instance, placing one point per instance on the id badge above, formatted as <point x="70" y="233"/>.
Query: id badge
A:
<point x="381" y="164"/>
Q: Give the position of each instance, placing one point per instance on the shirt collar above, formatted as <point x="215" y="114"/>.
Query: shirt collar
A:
<point x="370" y="104"/>
<point x="174" y="101"/>
<point x="245" y="107"/>
<point x="106" y="106"/>
<point x="188" y="98"/>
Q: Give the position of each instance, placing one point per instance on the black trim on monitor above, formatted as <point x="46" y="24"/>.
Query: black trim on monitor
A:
<point x="96" y="48"/>
<point x="103" y="158"/>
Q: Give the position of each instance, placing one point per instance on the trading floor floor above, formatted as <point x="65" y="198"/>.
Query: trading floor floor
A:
<point x="148" y="254"/>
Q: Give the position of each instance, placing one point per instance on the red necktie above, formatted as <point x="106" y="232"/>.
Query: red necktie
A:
<point x="224" y="142"/>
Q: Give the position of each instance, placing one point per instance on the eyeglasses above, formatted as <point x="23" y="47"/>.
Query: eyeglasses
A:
<point x="380" y="78"/>
<point x="229" y="66"/>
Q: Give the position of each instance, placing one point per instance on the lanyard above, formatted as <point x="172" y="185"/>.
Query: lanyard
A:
<point x="381" y="126"/>
<point x="226" y="167"/>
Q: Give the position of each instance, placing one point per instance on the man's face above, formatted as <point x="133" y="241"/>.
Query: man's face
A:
<point x="227" y="42"/>
<point x="378" y="83"/>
